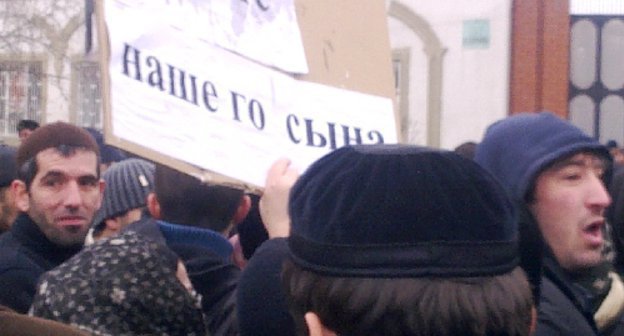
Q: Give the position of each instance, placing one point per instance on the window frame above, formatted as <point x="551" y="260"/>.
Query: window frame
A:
<point x="11" y="136"/>
<point x="74" y="105"/>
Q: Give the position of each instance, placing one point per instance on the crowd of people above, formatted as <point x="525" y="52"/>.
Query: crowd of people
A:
<point x="518" y="234"/>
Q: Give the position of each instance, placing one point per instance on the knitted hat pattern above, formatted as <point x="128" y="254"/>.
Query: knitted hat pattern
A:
<point x="128" y="183"/>
<point x="124" y="285"/>
<point x="400" y="211"/>
<point x="516" y="149"/>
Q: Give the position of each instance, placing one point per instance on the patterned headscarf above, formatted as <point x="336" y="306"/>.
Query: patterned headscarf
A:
<point x="125" y="285"/>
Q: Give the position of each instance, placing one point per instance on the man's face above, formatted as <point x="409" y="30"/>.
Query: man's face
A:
<point x="618" y="156"/>
<point x="24" y="133"/>
<point x="64" y="195"/>
<point x="569" y="204"/>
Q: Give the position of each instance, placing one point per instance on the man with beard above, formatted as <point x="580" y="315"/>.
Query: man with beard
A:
<point x="555" y="174"/>
<point x="58" y="189"/>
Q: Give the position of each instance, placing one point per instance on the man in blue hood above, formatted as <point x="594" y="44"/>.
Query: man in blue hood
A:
<point x="555" y="174"/>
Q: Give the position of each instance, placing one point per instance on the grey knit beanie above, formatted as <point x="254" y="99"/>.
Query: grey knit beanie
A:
<point x="128" y="183"/>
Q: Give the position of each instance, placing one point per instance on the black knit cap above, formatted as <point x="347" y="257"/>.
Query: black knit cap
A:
<point x="401" y="211"/>
<point x="54" y="135"/>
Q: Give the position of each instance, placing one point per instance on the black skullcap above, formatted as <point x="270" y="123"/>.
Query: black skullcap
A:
<point x="54" y="135"/>
<point x="401" y="211"/>
<point x="8" y="168"/>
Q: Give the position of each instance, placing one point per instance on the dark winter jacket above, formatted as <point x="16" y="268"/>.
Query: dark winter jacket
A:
<point x="25" y="254"/>
<point x="615" y="216"/>
<point x="567" y="308"/>
<point x="564" y="309"/>
<point x="261" y="301"/>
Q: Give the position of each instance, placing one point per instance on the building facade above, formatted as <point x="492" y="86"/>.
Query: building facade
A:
<point x="45" y="74"/>
<point x="458" y="65"/>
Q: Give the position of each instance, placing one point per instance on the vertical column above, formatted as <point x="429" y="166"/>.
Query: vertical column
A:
<point x="540" y="56"/>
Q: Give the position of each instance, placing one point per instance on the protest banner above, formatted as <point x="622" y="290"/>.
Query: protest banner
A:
<point x="221" y="90"/>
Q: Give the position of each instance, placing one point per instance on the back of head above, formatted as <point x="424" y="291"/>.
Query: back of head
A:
<point x="466" y="149"/>
<point x="380" y="228"/>
<point x="128" y="183"/>
<point x="126" y="285"/>
<point x="400" y="198"/>
<point x="185" y="200"/>
<point x="64" y="137"/>
<point x="28" y="124"/>
<point x="108" y="153"/>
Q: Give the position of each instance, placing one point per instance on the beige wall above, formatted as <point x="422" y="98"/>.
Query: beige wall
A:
<point x="471" y="88"/>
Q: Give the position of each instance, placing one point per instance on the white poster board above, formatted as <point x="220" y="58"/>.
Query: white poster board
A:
<point x="179" y="97"/>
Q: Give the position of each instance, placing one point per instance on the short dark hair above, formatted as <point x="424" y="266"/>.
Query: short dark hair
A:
<point x="529" y="196"/>
<point x="27" y="124"/>
<point x="63" y="137"/>
<point x="489" y="305"/>
<point x="185" y="200"/>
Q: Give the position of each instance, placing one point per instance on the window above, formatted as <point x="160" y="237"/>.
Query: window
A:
<point x="87" y="94"/>
<point x="597" y="75"/>
<point x="20" y="93"/>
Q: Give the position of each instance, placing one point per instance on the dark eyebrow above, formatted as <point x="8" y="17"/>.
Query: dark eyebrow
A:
<point x="52" y="173"/>
<point x="596" y="162"/>
<point x="57" y="174"/>
<point x="87" y="179"/>
<point x="568" y="162"/>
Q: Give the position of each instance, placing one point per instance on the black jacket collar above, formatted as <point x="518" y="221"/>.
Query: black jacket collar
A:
<point x="28" y="234"/>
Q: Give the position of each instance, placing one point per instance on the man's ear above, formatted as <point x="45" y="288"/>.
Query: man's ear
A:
<point x="113" y="225"/>
<point x="243" y="209"/>
<point x="315" y="326"/>
<point x="153" y="205"/>
<point x="21" y="195"/>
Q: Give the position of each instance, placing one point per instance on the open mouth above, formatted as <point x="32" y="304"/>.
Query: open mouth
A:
<point x="593" y="233"/>
<point x="71" y="222"/>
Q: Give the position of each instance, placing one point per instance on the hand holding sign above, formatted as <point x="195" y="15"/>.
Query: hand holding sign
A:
<point x="274" y="202"/>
